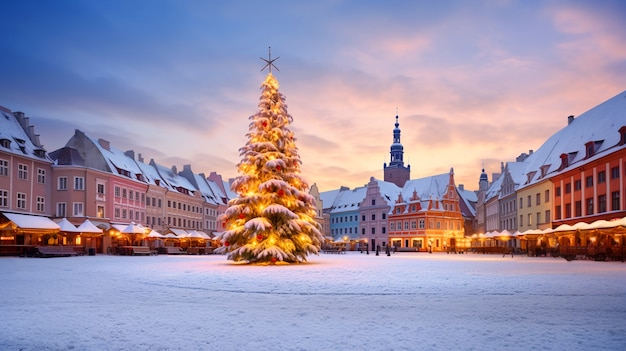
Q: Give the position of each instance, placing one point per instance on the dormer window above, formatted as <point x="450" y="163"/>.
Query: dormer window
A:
<point x="40" y="153"/>
<point x="544" y="170"/>
<point x="564" y="161"/>
<point x="5" y="143"/>
<point x="622" y="135"/>
<point x="592" y="147"/>
<point x="531" y="175"/>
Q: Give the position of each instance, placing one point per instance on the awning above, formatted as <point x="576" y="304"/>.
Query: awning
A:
<point x="67" y="227"/>
<point x="31" y="222"/>
<point x="181" y="233"/>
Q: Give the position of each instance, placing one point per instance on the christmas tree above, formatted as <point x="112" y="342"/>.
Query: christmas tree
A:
<point x="273" y="218"/>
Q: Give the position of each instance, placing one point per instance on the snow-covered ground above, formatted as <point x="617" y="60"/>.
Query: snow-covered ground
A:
<point x="408" y="301"/>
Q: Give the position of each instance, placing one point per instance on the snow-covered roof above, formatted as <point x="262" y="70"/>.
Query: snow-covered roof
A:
<point x="118" y="162"/>
<point x="389" y="191"/>
<point x="328" y="197"/>
<point x="426" y="187"/>
<point x="494" y="189"/>
<point x="151" y="175"/>
<point x="469" y="198"/>
<point x="349" y="200"/>
<point x="172" y="178"/>
<point x="600" y="125"/>
<point x="15" y="140"/>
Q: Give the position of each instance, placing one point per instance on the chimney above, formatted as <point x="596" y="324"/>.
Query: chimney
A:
<point x="461" y="187"/>
<point x="105" y="144"/>
<point x="570" y="119"/>
<point x="140" y="158"/>
<point x="130" y="153"/>
<point x="174" y="170"/>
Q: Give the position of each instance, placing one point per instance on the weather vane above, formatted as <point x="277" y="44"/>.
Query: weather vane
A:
<point x="269" y="63"/>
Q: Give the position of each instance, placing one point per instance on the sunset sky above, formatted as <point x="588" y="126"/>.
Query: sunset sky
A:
<point x="474" y="82"/>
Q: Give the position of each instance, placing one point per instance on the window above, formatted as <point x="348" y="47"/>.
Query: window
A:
<point x="547" y="217"/>
<point x="558" y="191"/>
<point x="41" y="204"/>
<point x="615" y="172"/>
<point x="578" y="209"/>
<point x="117" y="191"/>
<point x="558" y="212"/>
<point x="22" y="171"/>
<point x="413" y="224"/>
<point x="124" y="214"/>
<point x="363" y="231"/>
<point x="589" y="182"/>
<point x="100" y="189"/>
<point x="4" y="198"/>
<point x="421" y="223"/>
<point x="79" y="183"/>
<point x="100" y="212"/>
<point x="615" y="203"/>
<point x="373" y="231"/>
<point x="124" y="193"/>
<point x="384" y="215"/>
<point x="61" y="209"/>
<point x="391" y="226"/>
<point x="117" y="213"/>
<point x="130" y="215"/>
<point x="601" y="177"/>
<point x="601" y="203"/>
<point x="21" y="201"/>
<point x="547" y="196"/>
<point x="577" y="185"/>
<point x="521" y="220"/>
<point x="130" y="194"/>
<point x="373" y="217"/>
<point x="384" y="230"/>
<point x="398" y="225"/>
<point x="568" y="210"/>
<point x="373" y="202"/>
<point x="528" y="203"/>
<point x="530" y="219"/>
<point x="589" y="206"/>
<point x="62" y="183"/>
<point x="406" y="225"/>
<point x="521" y="202"/>
<point x="41" y="175"/>
<point x="4" y="168"/>
<point x="78" y="209"/>
<point x="537" y="199"/>
<point x="568" y="188"/>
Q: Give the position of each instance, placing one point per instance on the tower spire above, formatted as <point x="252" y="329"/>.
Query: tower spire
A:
<point x="396" y="172"/>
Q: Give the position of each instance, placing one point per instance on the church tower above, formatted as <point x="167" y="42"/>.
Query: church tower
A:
<point x="396" y="172"/>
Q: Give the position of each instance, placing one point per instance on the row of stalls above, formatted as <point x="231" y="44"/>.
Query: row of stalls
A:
<point x="24" y="235"/>
<point x="600" y="240"/>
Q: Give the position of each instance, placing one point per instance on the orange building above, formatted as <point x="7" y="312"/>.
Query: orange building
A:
<point x="427" y="215"/>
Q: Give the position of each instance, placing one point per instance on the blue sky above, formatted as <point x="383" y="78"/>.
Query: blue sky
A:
<point x="474" y="82"/>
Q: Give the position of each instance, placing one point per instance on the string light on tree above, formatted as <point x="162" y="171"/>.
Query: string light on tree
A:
<point x="273" y="218"/>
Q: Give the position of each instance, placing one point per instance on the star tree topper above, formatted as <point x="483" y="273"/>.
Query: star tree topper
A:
<point x="269" y="63"/>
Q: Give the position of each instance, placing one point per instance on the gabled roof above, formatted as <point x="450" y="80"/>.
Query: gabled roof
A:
<point x="152" y="176"/>
<point x="349" y="200"/>
<point x="15" y="139"/>
<point x="599" y="125"/>
<point x="428" y="187"/>
<point x="328" y="197"/>
<point x="118" y="162"/>
<point x="494" y="189"/>
<point x="175" y="181"/>
<point x="389" y="191"/>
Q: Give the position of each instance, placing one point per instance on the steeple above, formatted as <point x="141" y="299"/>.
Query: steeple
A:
<point x="396" y="172"/>
<point x="483" y="182"/>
